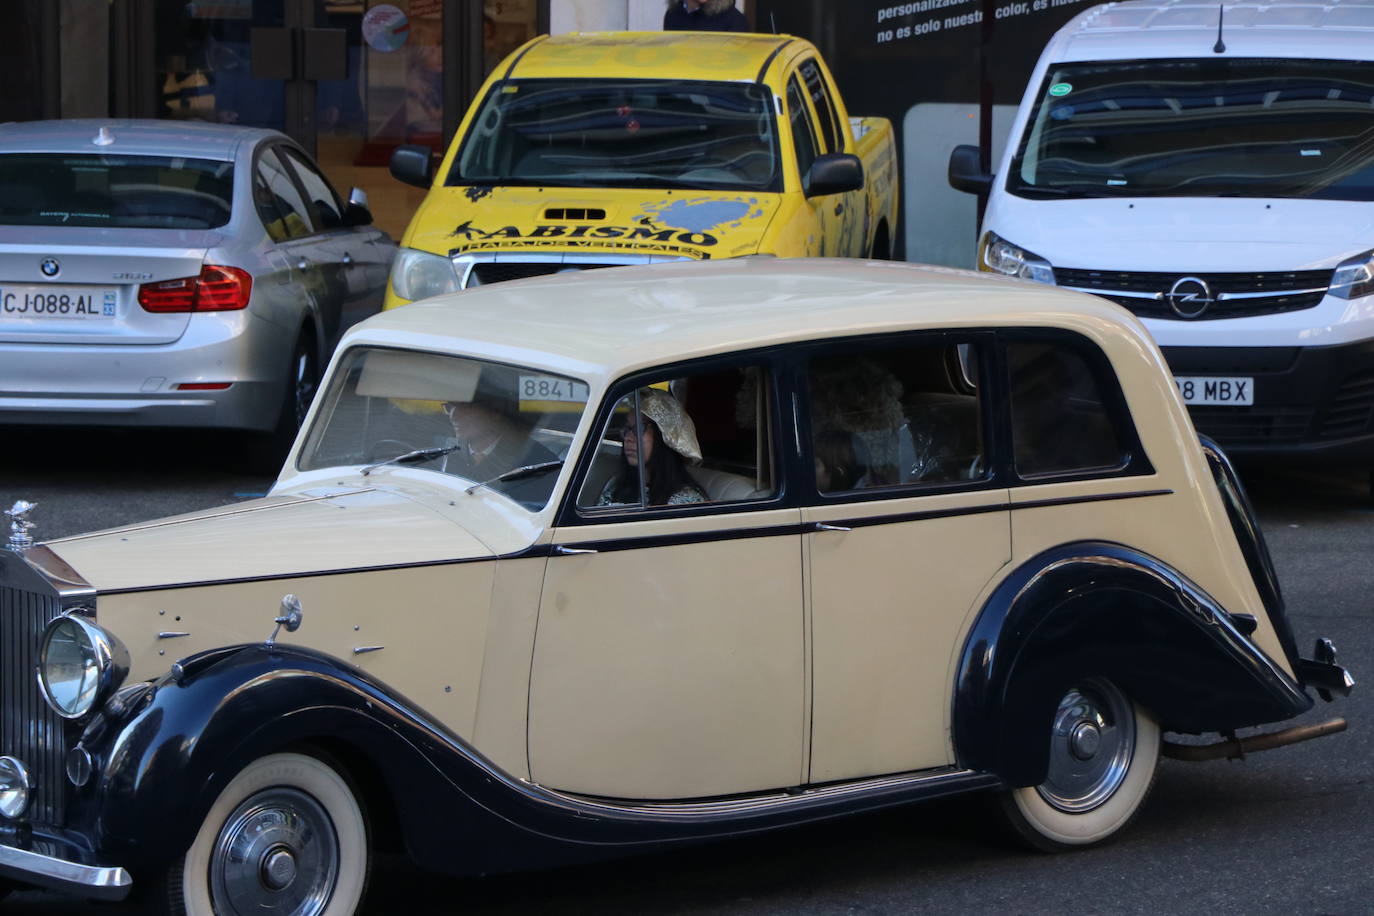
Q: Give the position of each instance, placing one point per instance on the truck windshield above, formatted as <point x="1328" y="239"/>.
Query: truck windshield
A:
<point x="1201" y="128"/>
<point x="622" y="134"/>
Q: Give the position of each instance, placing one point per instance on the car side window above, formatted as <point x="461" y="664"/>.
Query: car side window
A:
<point x="825" y="109"/>
<point x="1060" y="420"/>
<point x="803" y="137"/>
<point x="885" y="416"/>
<point x="685" y="440"/>
<point x="317" y="188"/>
<point x="279" y="204"/>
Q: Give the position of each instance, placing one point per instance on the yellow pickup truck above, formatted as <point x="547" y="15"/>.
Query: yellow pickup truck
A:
<point x="601" y="149"/>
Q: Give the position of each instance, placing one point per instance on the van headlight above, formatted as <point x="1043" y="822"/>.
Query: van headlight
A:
<point x="79" y="663"/>
<point x="998" y="255"/>
<point x="419" y="274"/>
<point x="1354" y="277"/>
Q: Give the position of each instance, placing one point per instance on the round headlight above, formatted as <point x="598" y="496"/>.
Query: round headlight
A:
<point x="14" y="787"/>
<point x="78" y="664"/>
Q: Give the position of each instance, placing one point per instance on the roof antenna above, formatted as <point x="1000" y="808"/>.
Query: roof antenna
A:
<point x="1220" y="46"/>
<point x="773" y="21"/>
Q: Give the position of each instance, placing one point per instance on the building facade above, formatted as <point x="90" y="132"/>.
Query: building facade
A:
<point x="352" y="79"/>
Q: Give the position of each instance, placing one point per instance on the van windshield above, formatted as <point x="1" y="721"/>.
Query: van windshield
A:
<point x="1201" y="128"/>
<point x="622" y="134"/>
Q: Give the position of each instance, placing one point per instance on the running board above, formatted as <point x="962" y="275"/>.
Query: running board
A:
<point x="1239" y="747"/>
<point x="879" y="791"/>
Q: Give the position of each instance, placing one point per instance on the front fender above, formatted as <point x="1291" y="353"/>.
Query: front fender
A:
<point x="1094" y="609"/>
<point x="159" y="772"/>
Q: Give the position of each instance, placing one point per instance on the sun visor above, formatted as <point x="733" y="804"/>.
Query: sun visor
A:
<point x="418" y="376"/>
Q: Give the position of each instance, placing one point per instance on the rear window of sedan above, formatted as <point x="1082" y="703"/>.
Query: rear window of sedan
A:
<point x="134" y="192"/>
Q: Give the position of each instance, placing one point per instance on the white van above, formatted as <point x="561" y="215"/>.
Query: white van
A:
<point x="1211" y="168"/>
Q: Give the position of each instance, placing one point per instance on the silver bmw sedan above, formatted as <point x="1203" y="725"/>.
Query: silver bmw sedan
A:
<point x="161" y="273"/>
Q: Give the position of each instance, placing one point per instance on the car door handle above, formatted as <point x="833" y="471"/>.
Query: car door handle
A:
<point x="562" y="551"/>
<point x="822" y="526"/>
<point x="839" y="209"/>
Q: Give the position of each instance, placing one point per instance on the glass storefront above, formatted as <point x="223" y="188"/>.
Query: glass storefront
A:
<point x="349" y="79"/>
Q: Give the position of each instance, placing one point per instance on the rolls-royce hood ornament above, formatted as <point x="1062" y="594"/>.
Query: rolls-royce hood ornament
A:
<point x="20" y="525"/>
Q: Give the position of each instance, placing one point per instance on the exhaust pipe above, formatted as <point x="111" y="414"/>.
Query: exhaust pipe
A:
<point x="1237" y="748"/>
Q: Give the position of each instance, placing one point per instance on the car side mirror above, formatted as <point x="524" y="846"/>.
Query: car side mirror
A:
<point x="357" y="212"/>
<point x="966" y="170"/>
<point x="834" y="173"/>
<point x="411" y="164"/>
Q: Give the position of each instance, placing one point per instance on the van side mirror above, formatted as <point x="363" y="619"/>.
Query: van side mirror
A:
<point x="833" y="173"/>
<point x="966" y="172"/>
<point x="411" y="164"/>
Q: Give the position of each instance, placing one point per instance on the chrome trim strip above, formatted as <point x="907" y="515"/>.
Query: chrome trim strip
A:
<point x="754" y="804"/>
<point x="1159" y="297"/>
<point x="1125" y="293"/>
<point x="1275" y="294"/>
<point x="103" y="883"/>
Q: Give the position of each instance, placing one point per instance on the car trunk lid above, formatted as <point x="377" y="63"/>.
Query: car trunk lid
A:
<point x="80" y="285"/>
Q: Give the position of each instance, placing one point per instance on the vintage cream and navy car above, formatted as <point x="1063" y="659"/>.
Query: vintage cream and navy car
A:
<point x="937" y="533"/>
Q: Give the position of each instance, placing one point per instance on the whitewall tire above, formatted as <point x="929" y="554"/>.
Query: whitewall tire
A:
<point x="287" y="835"/>
<point x="1104" y="750"/>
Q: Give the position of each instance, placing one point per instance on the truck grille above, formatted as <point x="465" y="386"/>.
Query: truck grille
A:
<point x="29" y="729"/>
<point x="499" y="271"/>
<point x="1144" y="293"/>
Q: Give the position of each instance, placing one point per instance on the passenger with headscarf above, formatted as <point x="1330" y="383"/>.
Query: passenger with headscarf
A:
<point x="656" y="441"/>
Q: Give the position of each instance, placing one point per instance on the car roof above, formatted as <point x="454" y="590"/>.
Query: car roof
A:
<point x="599" y="324"/>
<point x="725" y="56"/>
<point x="200" y="139"/>
<point x="1340" y="30"/>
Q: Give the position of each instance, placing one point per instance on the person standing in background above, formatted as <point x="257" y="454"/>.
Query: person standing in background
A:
<point x="704" y="16"/>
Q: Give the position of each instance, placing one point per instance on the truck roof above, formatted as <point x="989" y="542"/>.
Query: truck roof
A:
<point x="726" y="56"/>
<point x="1327" y="29"/>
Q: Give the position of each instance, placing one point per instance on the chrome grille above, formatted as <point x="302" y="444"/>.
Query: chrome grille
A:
<point x="29" y="729"/>
<point x="1238" y="294"/>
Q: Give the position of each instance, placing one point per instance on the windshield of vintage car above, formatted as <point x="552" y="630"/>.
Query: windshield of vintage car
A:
<point x="1291" y="128"/>
<point x="468" y="418"/>
<point x="623" y="134"/>
<point x="114" y="191"/>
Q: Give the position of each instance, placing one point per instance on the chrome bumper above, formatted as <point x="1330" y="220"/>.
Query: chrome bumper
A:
<point x="61" y="875"/>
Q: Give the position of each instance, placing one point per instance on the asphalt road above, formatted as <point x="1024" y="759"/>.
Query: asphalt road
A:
<point x="1283" y="832"/>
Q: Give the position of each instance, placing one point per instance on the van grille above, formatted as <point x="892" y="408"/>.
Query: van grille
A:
<point x="1257" y="293"/>
<point x="29" y="729"/>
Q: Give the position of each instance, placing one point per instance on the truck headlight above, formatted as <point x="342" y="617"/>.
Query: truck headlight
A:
<point x="419" y="274"/>
<point x="1354" y="277"/>
<point x="79" y="663"/>
<point x="998" y="255"/>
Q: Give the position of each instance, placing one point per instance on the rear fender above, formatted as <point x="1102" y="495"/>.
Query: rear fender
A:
<point x="1096" y="609"/>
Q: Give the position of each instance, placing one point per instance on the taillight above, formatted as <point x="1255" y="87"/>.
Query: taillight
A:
<point x="217" y="289"/>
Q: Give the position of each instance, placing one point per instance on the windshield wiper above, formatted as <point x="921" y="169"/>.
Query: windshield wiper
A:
<point x="414" y="457"/>
<point x="528" y="470"/>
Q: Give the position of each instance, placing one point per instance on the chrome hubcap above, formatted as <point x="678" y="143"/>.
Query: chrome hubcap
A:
<point x="277" y="853"/>
<point x="1090" y="747"/>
